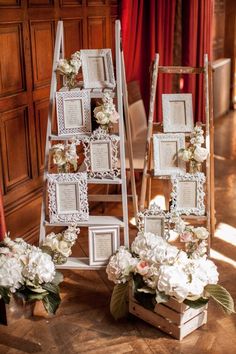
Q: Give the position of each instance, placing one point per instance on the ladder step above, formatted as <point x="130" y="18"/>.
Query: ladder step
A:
<point x="100" y="220"/>
<point x="104" y="181"/>
<point x="79" y="263"/>
<point x="105" y="198"/>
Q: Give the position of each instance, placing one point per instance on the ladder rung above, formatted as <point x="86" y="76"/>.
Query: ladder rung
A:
<point x="105" y="198"/>
<point x="180" y="70"/>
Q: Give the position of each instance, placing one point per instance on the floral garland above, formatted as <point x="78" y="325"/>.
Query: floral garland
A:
<point x="28" y="273"/>
<point x="106" y="114"/>
<point x="194" y="153"/>
<point x="65" y="155"/>
<point x="69" y="69"/>
<point x="59" y="245"/>
<point x="159" y="271"/>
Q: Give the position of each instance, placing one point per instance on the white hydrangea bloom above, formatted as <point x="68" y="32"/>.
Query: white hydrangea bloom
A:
<point x="120" y="266"/>
<point x="10" y="273"/>
<point x="38" y="266"/>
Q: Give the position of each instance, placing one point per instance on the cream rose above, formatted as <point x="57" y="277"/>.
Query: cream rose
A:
<point x="200" y="154"/>
<point x="201" y="233"/>
<point x="64" y="67"/>
<point x="186" y="155"/>
<point x="101" y="118"/>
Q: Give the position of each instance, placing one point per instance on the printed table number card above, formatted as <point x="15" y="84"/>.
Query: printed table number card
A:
<point x="188" y="194"/>
<point x="100" y="156"/>
<point x="73" y="113"/>
<point x="166" y="158"/>
<point x="154" y="224"/>
<point x="96" y="69"/>
<point x="103" y="242"/>
<point x="68" y="200"/>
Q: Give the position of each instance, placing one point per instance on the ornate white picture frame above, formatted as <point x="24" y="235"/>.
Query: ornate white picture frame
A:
<point x="103" y="242"/>
<point x="188" y="194"/>
<point x="166" y="159"/>
<point x="73" y="112"/>
<point x="67" y="196"/>
<point x="101" y="155"/>
<point x="97" y="68"/>
<point x="152" y="220"/>
<point x="177" y="112"/>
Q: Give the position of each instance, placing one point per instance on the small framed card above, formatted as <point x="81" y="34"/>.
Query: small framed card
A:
<point x="166" y="159"/>
<point x="68" y="200"/>
<point x="188" y="194"/>
<point x="103" y="242"/>
<point x="177" y="112"/>
<point x="101" y="155"/>
<point x="152" y="220"/>
<point x="155" y="225"/>
<point x="97" y="68"/>
<point x="73" y="112"/>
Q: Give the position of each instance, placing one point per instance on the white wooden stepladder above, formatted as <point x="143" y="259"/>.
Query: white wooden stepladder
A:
<point x="94" y="220"/>
<point x="206" y="71"/>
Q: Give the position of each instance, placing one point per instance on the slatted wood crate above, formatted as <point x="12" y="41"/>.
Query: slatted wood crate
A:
<point x="172" y="317"/>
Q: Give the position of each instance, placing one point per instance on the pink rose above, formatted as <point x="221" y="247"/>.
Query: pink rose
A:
<point x="142" y="267"/>
<point x="186" y="236"/>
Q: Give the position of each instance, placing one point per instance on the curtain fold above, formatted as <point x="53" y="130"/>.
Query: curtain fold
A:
<point x="2" y="218"/>
<point x="197" y="16"/>
<point x="148" y="28"/>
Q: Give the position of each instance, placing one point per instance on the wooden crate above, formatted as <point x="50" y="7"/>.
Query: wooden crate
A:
<point x="178" y="320"/>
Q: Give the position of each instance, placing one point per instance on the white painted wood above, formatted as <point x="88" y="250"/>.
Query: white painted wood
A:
<point x="121" y="131"/>
<point x="128" y="136"/>
<point x="79" y="263"/>
<point x="58" y="53"/>
<point x="93" y="221"/>
<point x="97" y="220"/>
<point x="147" y="157"/>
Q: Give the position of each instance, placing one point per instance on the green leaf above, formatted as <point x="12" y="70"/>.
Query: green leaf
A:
<point x="118" y="304"/>
<point x="34" y="297"/>
<point x="47" y="250"/>
<point x="38" y="290"/>
<point x="58" y="278"/>
<point x="51" y="302"/>
<point x="196" y="304"/>
<point x="146" y="290"/>
<point x="161" y="297"/>
<point x="5" y="294"/>
<point x="222" y="296"/>
<point x="51" y="288"/>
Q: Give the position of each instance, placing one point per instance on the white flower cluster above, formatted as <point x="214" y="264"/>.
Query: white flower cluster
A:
<point x="64" y="155"/>
<point x="195" y="152"/>
<point x="69" y="66"/>
<point x="21" y="262"/>
<point x="163" y="267"/>
<point x="120" y="266"/>
<point x="106" y="113"/>
<point x="60" y="244"/>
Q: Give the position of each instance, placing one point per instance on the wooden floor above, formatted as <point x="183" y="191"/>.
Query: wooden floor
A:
<point x="83" y="323"/>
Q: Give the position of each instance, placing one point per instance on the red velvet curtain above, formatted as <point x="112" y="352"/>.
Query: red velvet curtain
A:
<point x="197" y="16"/>
<point x="2" y="218"/>
<point x="148" y="28"/>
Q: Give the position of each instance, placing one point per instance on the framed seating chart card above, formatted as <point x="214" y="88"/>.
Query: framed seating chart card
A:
<point x="188" y="194"/>
<point x="101" y="155"/>
<point x="177" y="112"/>
<point x="97" y="68"/>
<point x="152" y="220"/>
<point x="166" y="159"/>
<point x="68" y="201"/>
<point x="73" y="112"/>
<point x="103" y="242"/>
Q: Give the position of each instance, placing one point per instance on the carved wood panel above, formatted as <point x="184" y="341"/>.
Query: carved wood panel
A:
<point x="96" y="32"/>
<point x="41" y="118"/>
<point x="12" y="62"/>
<point x="27" y="36"/>
<point x="73" y="35"/>
<point x="42" y="43"/>
<point x="15" y="147"/>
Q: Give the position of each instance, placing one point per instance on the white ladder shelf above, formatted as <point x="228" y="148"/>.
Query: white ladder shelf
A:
<point x="94" y="220"/>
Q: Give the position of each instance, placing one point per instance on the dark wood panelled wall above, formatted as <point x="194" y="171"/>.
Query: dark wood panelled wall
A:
<point x="27" y="35"/>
